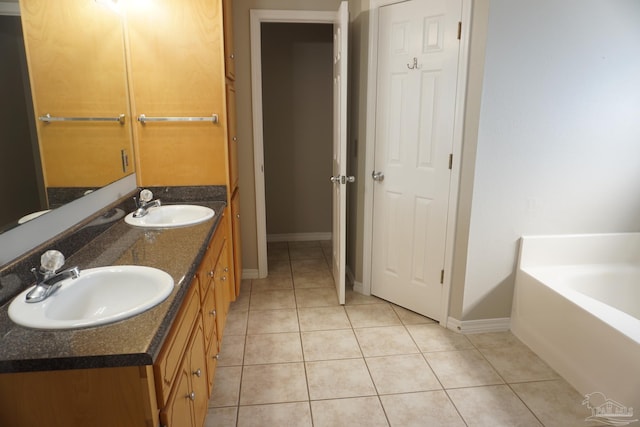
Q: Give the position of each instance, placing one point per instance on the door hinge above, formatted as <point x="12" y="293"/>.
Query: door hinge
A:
<point x="459" y="30"/>
<point x="441" y="277"/>
<point x="451" y="161"/>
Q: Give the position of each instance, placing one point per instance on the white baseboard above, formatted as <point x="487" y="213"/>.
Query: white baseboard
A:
<point x="479" y="326"/>
<point x="298" y="237"/>
<point x="351" y="281"/>
<point x="9" y="9"/>
<point x="250" y="273"/>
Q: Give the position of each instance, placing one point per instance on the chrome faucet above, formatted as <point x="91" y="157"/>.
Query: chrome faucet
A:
<point x="48" y="280"/>
<point x="144" y="202"/>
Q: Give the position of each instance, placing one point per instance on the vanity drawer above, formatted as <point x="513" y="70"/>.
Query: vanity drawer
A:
<point x="169" y="361"/>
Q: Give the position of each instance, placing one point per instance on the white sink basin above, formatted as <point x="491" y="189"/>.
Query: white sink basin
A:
<point x="167" y="216"/>
<point x="99" y="296"/>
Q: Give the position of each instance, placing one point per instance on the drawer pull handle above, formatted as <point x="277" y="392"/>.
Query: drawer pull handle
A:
<point x="192" y="395"/>
<point x="197" y="373"/>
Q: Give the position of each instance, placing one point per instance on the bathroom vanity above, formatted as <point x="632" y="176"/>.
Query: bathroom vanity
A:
<point x="156" y="368"/>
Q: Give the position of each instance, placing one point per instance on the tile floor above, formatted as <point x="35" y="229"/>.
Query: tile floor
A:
<point x="292" y="356"/>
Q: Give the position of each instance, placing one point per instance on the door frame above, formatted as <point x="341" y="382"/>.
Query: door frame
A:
<point x="257" y="17"/>
<point x="459" y="117"/>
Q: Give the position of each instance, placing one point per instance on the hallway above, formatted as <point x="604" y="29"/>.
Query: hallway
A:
<point x="292" y="356"/>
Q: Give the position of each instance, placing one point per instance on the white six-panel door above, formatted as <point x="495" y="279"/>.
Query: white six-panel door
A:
<point x="339" y="179"/>
<point x="416" y="88"/>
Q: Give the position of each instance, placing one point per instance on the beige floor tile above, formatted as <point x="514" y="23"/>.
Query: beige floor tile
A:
<point x="277" y="245"/>
<point x="402" y="374"/>
<point x="431" y="408"/>
<point x="332" y="379"/>
<point x="279" y="267"/>
<point x="245" y="286"/>
<point x="492" y="406"/>
<point x="232" y="351"/>
<point x="313" y="279"/>
<point x="273" y="348"/>
<point x="555" y="403"/>
<point x="271" y="283"/>
<point x="517" y="363"/>
<point x="304" y="244"/>
<point x="408" y="317"/>
<point x="274" y="383"/>
<point x="436" y="338"/>
<point x="277" y="254"/>
<point x="323" y="318"/>
<point x="356" y="298"/>
<point x="221" y="417"/>
<point x="242" y="302"/>
<point x="464" y="368"/>
<point x="316" y="297"/>
<point x="364" y="316"/>
<point x="326" y="345"/>
<point x="236" y="323"/>
<point x="298" y="253"/>
<point x="385" y="341"/>
<point x="309" y="265"/>
<point x="272" y="321"/>
<point x="296" y="414"/>
<point x="354" y="412"/>
<point x="272" y="300"/>
<point x="226" y="387"/>
<point x="493" y="340"/>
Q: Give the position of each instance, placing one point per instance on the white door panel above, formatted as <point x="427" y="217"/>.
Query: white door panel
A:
<point x="417" y="75"/>
<point x="340" y="33"/>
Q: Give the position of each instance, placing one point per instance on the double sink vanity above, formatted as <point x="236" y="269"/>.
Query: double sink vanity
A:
<point x="133" y="340"/>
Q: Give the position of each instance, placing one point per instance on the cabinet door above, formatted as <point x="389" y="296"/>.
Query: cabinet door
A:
<point x="235" y="238"/>
<point x="229" y="55"/>
<point x="177" y="70"/>
<point x="221" y="292"/>
<point x="212" y="359"/>
<point x="209" y="316"/>
<point x="233" y="137"/>
<point x="179" y="412"/>
<point x="198" y="371"/>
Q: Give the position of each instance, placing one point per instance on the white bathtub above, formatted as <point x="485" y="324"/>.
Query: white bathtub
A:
<point x="577" y="305"/>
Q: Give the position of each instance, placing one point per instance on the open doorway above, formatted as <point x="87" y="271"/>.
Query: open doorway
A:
<point x="297" y="130"/>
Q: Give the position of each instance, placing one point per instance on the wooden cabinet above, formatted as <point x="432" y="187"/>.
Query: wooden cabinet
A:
<point x="236" y="243"/>
<point x="229" y="52"/>
<point x="176" y="57"/>
<point x="233" y="135"/>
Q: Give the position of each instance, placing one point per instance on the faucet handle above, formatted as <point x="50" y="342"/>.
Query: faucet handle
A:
<point x="146" y="195"/>
<point x="51" y="261"/>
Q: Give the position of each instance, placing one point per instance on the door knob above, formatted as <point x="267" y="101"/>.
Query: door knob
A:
<point x="350" y="178"/>
<point x="377" y="176"/>
<point x="335" y="179"/>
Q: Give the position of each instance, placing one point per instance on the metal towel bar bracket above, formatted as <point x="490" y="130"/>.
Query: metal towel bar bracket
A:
<point x="212" y="118"/>
<point x="48" y="118"/>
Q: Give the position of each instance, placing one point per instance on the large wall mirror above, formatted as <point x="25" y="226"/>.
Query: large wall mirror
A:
<point x="65" y="123"/>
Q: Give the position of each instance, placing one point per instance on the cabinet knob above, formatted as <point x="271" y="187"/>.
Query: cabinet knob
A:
<point x="238" y="216"/>
<point x="192" y="395"/>
<point x="217" y="356"/>
<point x="197" y="373"/>
<point x="210" y="273"/>
<point x="235" y="139"/>
<point x="212" y="312"/>
<point x="232" y="56"/>
<point x="223" y="278"/>
<point x="226" y="269"/>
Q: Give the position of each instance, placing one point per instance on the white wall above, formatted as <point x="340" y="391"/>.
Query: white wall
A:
<point x="559" y="136"/>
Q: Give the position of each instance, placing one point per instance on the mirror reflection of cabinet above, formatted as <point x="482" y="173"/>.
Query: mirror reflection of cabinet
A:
<point x="75" y="53"/>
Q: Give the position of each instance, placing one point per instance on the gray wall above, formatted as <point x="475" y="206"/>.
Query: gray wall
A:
<point x="297" y="126"/>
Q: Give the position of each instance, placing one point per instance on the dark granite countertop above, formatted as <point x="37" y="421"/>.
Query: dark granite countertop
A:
<point x="130" y="342"/>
